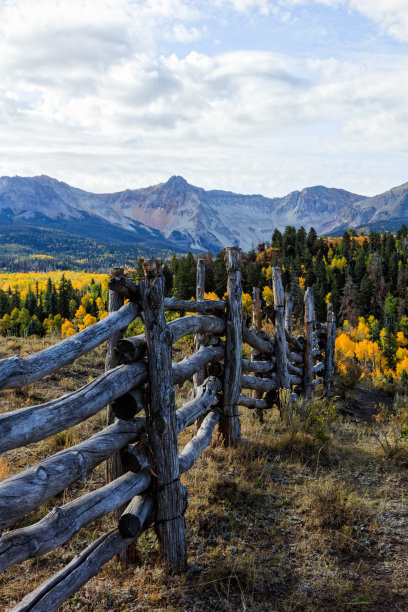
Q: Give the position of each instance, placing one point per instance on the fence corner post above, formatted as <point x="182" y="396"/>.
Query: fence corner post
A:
<point x="308" y="355"/>
<point x="233" y="350"/>
<point x="330" y="350"/>
<point x="161" y="423"/>
<point x="280" y="335"/>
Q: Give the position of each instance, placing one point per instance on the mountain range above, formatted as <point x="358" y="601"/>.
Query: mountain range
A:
<point x="178" y="216"/>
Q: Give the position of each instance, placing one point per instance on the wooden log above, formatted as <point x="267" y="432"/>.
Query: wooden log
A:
<point x="330" y="351"/>
<point x="17" y="371"/>
<point x="138" y="513"/>
<point x="318" y="367"/>
<point x="204" y="307"/>
<point x="63" y="522"/>
<point x="134" y="348"/>
<point x="295" y="357"/>
<point x="298" y="344"/>
<point x="185" y="369"/>
<point x="200" y="376"/>
<point x="308" y="357"/>
<point x="282" y="374"/>
<point x="292" y="369"/>
<point x="256" y="309"/>
<point x="135" y="458"/>
<point x="288" y="312"/>
<point x="57" y="589"/>
<point x="253" y="402"/>
<point x="200" y="441"/>
<point x="258" y="366"/>
<point x="316" y="352"/>
<point x="27" y="490"/>
<point x="265" y="346"/>
<point x="35" y="423"/>
<point x="191" y="411"/>
<point x="316" y="382"/>
<point x="295" y="380"/>
<point x="113" y="468"/>
<point x="130" y="404"/>
<point x="162" y="426"/>
<point x="231" y="430"/>
<point x="260" y="384"/>
<point x="321" y="326"/>
<point x="123" y="286"/>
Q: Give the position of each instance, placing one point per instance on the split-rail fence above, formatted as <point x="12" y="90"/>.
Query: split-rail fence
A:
<point x="140" y="377"/>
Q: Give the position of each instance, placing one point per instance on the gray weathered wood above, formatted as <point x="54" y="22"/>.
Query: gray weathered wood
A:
<point x="17" y="371"/>
<point x="233" y="352"/>
<point x="200" y="376"/>
<point x="29" y="489"/>
<point x="185" y="369"/>
<point x="316" y="352"/>
<point x="206" y="395"/>
<point x="204" y="307"/>
<point x="35" y="423"/>
<point x="330" y="351"/>
<point x="138" y="513"/>
<point x="253" y="402"/>
<point x="308" y="358"/>
<point x="295" y="357"/>
<point x="200" y="441"/>
<point x="288" y="312"/>
<point x="258" y="366"/>
<point x="162" y="426"/>
<point x="295" y="380"/>
<point x="131" y="349"/>
<point x="256" y="309"/>
<point x="280" y="337"/>
<point x="298" y="344"/>
<point x="63" y="522"/>
<point x="113" y="467"/>
<point x="57" y="589"/>
<point x="316" y="382"/>
<point x="260" y="384"/>
<point x="318" y="367"/>
<point x="292" y="369"/>
<point x="265" y="346"/>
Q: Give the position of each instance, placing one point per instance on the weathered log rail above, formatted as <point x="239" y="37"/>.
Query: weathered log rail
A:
<point x="145" y="463"/>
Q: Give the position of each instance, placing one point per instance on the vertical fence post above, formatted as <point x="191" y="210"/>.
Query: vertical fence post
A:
<point x="200" y="376"/>
<point x="233" y="349"/>
<point x="113" y="464"/>
<point x="288" y="312"/>
<point x="330" y="348"/>
<point x="280" y="337"/>
<point x="308" y="357"/>
<point x="256" y="309"/>
<point x="161" y="422"/>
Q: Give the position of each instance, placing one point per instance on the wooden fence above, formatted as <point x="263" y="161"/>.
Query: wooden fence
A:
<point x="146" y="473"/>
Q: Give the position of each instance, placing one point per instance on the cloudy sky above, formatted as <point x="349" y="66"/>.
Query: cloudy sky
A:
<point x="253" y="96"/>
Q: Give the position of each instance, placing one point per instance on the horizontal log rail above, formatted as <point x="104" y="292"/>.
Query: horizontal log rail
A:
<point x="29" y="489"/>
<point x="292" y="369"/>
<point x="295" y="341"/>
<point x="259" y="384"/>
<point x="63" y="522"/>
<point x="294" y="357"/>
<point x="18" y="371"/>
<point x="253" y="403"/>
<point x="36" y="423"/>
<point x="264" y="346"/>
<point x="258" y="366"/>
<point x="134" y="348"/>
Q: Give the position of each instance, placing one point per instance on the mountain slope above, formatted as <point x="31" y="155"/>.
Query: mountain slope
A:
<point x="177" y="215"/>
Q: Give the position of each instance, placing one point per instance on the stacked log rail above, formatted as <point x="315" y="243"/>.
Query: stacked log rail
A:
<point x="148" y="478"/>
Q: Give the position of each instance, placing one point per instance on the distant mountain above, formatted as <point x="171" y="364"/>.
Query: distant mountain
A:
<point x="177" y="215"/>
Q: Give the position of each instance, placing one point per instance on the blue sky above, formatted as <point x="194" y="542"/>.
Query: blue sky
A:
<point x="253" y="96"/>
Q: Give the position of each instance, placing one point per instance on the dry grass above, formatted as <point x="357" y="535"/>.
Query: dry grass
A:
<point x="306" y="517"/>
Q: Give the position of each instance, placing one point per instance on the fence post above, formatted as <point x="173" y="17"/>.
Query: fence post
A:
<point x="330" y="349"/>
<point x="288" y="312"/>
<point x="200" y="376"/>
<point x="280" y="337"/>
<point x="256" y="309"/>
<point x="161" y="422"/>
<point x="308" y="356"/>
<point x="233" y="350"/>
<point x="114" y="463"/>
